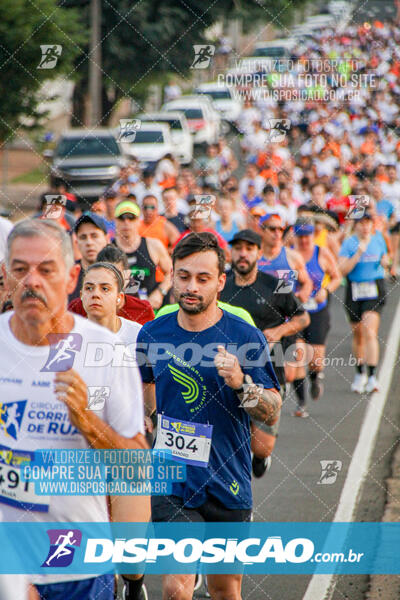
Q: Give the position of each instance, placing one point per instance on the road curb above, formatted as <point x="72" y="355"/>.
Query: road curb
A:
<point x="387" y="587"/>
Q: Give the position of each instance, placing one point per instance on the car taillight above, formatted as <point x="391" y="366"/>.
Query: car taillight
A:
<point x="196" y="124"/>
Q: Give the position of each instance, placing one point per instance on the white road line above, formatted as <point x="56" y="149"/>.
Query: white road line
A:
<point x="321" y="587"/>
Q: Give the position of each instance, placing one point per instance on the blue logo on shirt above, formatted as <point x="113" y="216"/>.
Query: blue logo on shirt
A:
<point x="11" y="415"/>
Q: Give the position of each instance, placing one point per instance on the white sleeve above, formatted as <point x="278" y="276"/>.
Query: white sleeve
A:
<point x="124" y="408"/>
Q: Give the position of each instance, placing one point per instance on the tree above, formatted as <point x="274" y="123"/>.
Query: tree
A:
<point x="24" y="27"/>
<point x="143" y="41"/>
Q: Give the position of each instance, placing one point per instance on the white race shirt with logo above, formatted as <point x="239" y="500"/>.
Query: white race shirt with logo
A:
<point x="32" y="418"/>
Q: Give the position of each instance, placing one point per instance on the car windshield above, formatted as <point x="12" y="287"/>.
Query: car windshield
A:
<point x="175" y="124"/>
<point x="149" y="137"/>
<point x="192" y="113"/>
<point x="217" y="94"/>
<point x="84" y="146"/>
<point x="276" y="51"/>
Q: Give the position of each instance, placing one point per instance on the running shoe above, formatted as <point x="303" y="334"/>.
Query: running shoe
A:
<point x="359" y="383"/>
<point x="301" y="412"/>
<point x="261" y="465"/>
<point x="372" y="385"/>
<point x="317" y="387"/>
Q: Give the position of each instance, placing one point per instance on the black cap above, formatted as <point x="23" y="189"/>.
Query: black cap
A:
<point x="89" y="217"/>
<point x="247" y="235"/>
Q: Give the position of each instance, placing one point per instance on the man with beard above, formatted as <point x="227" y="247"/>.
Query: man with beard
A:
<point x="276" y="314"/>
<point x="197" y="386"/>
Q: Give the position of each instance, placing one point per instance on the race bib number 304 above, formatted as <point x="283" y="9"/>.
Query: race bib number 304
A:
<point x="188" y="442"/>
<point x="14" y="490"/>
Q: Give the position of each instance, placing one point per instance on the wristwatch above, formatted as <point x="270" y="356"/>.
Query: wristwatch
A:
<point x="163" y="292"/>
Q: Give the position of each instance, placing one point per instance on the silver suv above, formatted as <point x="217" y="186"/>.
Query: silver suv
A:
<point x="87" y="161"/>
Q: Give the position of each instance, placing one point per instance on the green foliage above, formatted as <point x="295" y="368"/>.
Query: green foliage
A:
<point x="24" y="26"/>
<point x="146" y="41"/>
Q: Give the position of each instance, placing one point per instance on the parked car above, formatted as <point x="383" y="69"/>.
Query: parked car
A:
<point x="87" y="161"/>
<point x="279" y="49"/>
<point x="224" y="102"/>
<point x="202" y="118"/>
<point x="152" y="142"/>
<point x="179" y="129"/>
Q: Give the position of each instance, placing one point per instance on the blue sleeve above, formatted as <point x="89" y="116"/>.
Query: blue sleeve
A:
<point x="383" y="243"/>
<point x="142" y="349"/>
<point x="345" y="249"/>
<point x="258" y="363"/>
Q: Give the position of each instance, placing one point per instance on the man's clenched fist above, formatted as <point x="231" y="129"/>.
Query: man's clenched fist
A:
<point x="228" y="367"/>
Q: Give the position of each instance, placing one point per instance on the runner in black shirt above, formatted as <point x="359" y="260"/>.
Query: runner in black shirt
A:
<point x="275" y="310"/>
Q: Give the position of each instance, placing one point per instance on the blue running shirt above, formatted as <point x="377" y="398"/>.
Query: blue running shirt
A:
<point x="369" y="267"/>
<point x="279" y="263"/>
<point x="180" y="359"/>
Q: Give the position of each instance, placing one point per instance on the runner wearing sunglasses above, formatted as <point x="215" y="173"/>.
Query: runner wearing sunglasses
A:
<point x="326" y="278"/>
<point x="289" y="267"/>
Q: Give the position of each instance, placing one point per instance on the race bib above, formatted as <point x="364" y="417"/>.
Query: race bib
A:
<point x="364" y="290"/>
<point x="311" y="304"/>
<point x="188" y="442"/>
<point x="13" y="490"/>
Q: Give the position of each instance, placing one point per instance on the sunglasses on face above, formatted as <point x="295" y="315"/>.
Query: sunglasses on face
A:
<point x="272" y="228"/>
<point x="149" y="207"/>
<point x="127" y="217"/>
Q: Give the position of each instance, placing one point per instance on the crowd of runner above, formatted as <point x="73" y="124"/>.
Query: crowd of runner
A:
<point x="246" y="246"/>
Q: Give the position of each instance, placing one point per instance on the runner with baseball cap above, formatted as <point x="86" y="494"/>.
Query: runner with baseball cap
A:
<point x="321" y="267"/>
<point x="289" y="267"/>
<point x="91" y="236"/>
<point x="277" y="315"/>
<point x="149" y="261"/>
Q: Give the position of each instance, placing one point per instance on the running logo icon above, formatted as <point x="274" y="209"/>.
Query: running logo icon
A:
<point x="358" y="206"/>
<point x="136" y="279"/>
<point x="63" y="543"/>
<point x="50" y="55"/>
<point x="11" y="415"/>
<point x="202" y="56"/>
<point x="329" y="471"/>
<point x="286" y="281"/>
<point x="202" y="207"/>
<point x="251" y="395"/>
<point x="63" y="347"/>
<point x="191" y="387"/>
<point x="278" y="129"/>
<point x="55" y="203"/>
<point x="128" y="129"/>
<point x="97" y="397"/>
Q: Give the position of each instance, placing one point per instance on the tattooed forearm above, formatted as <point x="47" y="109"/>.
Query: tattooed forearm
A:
<point x="267" y="409"/>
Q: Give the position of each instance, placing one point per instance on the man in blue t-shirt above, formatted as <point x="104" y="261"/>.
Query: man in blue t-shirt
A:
<point x="206" y="372"/>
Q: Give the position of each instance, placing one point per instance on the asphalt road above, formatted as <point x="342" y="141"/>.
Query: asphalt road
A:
<point x="289" y="491"/>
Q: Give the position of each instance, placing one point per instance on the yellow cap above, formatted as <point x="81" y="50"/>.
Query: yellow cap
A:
<point x="127" y="206"/>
